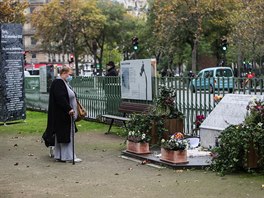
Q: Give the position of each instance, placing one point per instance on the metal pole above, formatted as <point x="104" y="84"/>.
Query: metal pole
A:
<point x="72" y="132"/>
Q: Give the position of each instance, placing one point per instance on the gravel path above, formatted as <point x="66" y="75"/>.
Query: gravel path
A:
<point x="27" y="171"/>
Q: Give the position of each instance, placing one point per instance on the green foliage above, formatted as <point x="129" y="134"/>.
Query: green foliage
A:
<point x="163" y="108"/>
<point x="164" y="104"/>
<point x="139" y="122"/>
<point x="139" y="127"/>
<point x="236" y="141"/>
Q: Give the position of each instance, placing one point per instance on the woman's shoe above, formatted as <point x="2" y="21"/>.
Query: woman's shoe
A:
<point x="77" y="160"/>
<point x="52" y="149"/>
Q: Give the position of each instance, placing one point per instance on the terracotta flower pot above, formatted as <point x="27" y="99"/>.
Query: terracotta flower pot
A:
<point x="176" y="157"/>
<point x="137" y="147"/>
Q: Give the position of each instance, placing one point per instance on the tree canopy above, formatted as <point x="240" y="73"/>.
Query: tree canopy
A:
<point x="175" y="32"/>
<point x="12" y="11"/>
<point x="68" y="27"/>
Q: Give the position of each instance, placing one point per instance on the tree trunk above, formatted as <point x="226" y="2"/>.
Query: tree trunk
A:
<point x="76" y="57"/>
<point x="194" y="55"/>
<point x="239" y="60"/>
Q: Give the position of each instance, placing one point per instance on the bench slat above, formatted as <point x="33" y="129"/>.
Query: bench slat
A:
<point x="128" y="107"/>
<point x="116" y="117"/>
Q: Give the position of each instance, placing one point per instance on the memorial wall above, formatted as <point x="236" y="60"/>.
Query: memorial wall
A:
<point x="12" y="95"/>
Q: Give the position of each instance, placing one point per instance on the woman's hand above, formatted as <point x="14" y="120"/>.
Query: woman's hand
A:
<point x="71" y="112"/>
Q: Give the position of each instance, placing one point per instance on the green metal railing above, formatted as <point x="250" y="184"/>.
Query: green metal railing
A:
<point x="102" y="95"/>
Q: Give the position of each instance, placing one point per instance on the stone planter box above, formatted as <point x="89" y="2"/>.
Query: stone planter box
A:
<point x="138" y="147"/>
<point x="175" y="157"/>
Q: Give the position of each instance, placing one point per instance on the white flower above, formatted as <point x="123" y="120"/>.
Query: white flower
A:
<point x="162" y="141"/>
<point x="143" y="136"/>
<point x="260" y="124"/>
<point x="133" y="133"/>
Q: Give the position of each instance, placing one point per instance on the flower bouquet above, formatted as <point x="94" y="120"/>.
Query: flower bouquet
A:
<point x="138" y="136"/>
<point x="198" y="121"/>
<point x="174" y="150"/>
<point x="175" y="143"/>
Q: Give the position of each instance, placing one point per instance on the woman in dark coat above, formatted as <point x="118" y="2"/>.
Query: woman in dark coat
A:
<point x="111" y="70"/>
<point x="62" y="106"/>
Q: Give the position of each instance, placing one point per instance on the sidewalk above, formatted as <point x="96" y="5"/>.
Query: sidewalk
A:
<point x="27" y="171"/>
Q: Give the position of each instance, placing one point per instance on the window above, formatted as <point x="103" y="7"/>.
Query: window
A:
<point x="200" y="75"/>
<point x="33" y="41"/>
<point x="224" y="73"/>
<point x="34" y="55"/>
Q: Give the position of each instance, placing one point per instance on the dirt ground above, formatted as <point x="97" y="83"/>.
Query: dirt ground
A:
<point x="27" y="171"/>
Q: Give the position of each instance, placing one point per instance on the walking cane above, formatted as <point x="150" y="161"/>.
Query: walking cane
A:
<point x="72" y="131"/>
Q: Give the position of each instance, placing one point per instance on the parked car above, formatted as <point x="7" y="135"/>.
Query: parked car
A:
<point x="213" y="78"/>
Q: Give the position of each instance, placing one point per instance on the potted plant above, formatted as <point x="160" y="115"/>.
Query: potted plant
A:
<point x="174" y="150"/>
<point x="138" y="136"/>
<point x="241" y="147"/>
<point x="167" y="118"/>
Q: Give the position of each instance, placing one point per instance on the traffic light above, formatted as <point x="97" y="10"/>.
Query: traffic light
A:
<point x="224" y="45"/>
<point x="135" y="43"/>
<point x="71" y="58"/>
<point x="25" y="57"/>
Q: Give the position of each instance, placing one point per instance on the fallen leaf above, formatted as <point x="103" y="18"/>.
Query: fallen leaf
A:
<point x="116" y="174"/>
<point x="15" y="145"/>
<point x="144" y="162"/>
<point x="30" y="154"/>
<point x="16" y="164"/>
<point x="130" y="168"/>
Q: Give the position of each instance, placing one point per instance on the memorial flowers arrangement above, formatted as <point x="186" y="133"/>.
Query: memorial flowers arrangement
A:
<point x="241" y="147"/>
<point x="165" y="103"/>
<point x="198" y="121"/>
<point x="175" y="143"/>
<point x="217" y="98"/>
<point x="139" y="127"/>
<point x="164" y="108"/>
<point x="137" y="136"/>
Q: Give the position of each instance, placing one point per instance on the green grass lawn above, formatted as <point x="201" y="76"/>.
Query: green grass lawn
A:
<point x="36" y="123"/>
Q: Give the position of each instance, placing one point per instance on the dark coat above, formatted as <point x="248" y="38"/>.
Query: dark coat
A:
<point x="59" y="120"/>
<point x="111" y="72"/>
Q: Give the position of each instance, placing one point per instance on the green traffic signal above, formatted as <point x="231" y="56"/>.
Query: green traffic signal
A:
<point x="135" y="43"/>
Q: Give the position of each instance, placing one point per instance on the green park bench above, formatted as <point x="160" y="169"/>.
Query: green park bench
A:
<point x="127" y="108"/>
